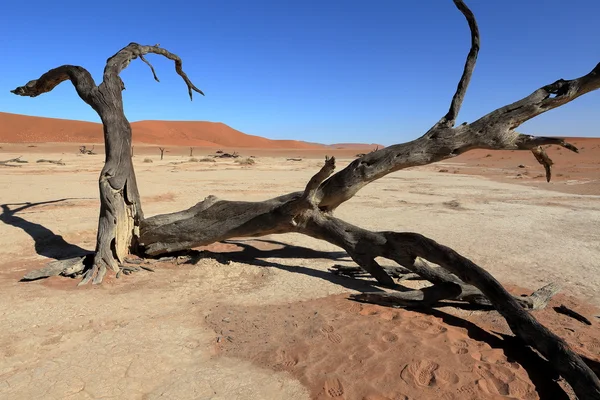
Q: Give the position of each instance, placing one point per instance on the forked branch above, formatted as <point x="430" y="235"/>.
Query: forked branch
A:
<point x="494" y="131"/>
<point x="121" y="60"/>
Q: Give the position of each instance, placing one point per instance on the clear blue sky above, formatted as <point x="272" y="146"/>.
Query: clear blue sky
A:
<point x="329" y="71"/>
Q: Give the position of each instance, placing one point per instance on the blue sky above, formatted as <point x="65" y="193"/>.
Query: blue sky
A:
<point x="328" y="71"/>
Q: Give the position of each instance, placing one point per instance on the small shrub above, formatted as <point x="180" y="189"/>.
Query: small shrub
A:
<point x="148" y="160"/>
<point x="207" y="159"/>
<point x="246" y="161"/>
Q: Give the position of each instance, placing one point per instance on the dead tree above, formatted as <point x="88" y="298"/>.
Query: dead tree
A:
<point x="120" y="209"/>
<point x="57" y="162"/>
<point x="84" y="150"/>
<point x="162" y="151"/>
<point x="7" y="163"/>
<point x="123" y="228"/>
<point x="191" y="152"/>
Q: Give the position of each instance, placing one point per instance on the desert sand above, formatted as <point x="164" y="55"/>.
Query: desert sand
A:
<point x="16" y="128"/>
<point x="263" y="318"/>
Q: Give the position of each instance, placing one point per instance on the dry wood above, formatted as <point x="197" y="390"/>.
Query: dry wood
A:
<point x="562" y="309"/>
<point x="227" y="155"/>
<point x="120" y="209"/>
<point x="57" y="162"/>
<point x="84" y="150"/>
<point x="7" y="163"/>
<point x="123" y="228"/>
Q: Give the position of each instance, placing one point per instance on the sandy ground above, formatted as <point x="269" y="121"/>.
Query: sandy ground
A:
<point x="265" y="320"/>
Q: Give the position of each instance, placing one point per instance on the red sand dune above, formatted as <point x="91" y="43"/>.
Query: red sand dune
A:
<point x="16" y="128"/>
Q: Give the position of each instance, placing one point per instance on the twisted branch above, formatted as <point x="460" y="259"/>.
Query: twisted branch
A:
<point x="79" y="76"/>
<point x="450" y="118"/>
<point x="121" y="60"/>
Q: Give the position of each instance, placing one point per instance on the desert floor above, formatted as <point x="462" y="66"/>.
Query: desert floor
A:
<point x="265" y="319"/>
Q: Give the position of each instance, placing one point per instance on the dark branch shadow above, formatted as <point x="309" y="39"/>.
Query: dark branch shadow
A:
<point x="47" y="243"/>
<point x="286" y="250"/>
<point x="254" y="256"/>
<point x="540" y="371"/>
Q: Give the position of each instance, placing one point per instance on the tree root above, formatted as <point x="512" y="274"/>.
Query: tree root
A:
<point x="81" y="267"/>
<point x="70" y="267"/>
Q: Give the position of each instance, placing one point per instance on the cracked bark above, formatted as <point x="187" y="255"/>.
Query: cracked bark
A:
<point x="120" y="206"/>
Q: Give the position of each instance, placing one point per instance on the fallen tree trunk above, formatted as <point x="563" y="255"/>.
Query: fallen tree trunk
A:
<point x="7" y="163"/>
<point x="214" y="220"/>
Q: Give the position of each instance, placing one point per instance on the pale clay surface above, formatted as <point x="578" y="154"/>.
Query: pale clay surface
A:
<point x="143" y="337"/>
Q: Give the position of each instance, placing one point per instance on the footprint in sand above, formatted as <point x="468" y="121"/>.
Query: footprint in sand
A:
<point x="494" y="380"/>
<point x="355" y="307"/>
<point x="361" y="354"/>
<point x="333" y="387"/>
<point x="420" y="373"/>
<point x="327" y="329"/>
<point x="286" y="359"/>
<point x="594" y="346"/>
<point x="375" y="397"/>
<point x="459" y="347"/>
<point x="491" y="356"/>
<point x="328" y="332"/>
<point x="466" y="391"/>
<point x="420" y="324"/>
<point x="334" y="338"/>
<point x="389" y="337"/>
<point x="501" y="380"/>
<point x="389" y="315"/>
<point x="369" y="310"/>
<point x="445" y="377"/>
<point x="522" y="390"/>
<point x="436" y="329"/>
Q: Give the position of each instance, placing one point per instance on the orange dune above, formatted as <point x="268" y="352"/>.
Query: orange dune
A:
<point x="16" y="128"/>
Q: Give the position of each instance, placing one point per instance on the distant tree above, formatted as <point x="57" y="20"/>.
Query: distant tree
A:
<point x="162" y="151"/>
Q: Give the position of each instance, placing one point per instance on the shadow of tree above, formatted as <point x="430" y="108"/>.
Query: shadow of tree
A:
<point x="253" y="255"/>
<point x="540" y="371"/>
<point x="47" y="243"/>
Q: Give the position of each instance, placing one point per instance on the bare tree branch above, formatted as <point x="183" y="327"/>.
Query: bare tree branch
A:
<point x="543" y="99"/>
<point x="121" y="60"/>
<point x="151" y="67"/>
<point x="450" y="118"/>
<point x="79" y="76"/>
<point x="494" y="131"/>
